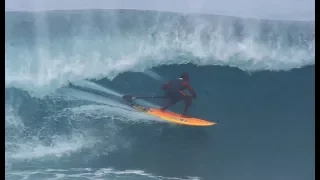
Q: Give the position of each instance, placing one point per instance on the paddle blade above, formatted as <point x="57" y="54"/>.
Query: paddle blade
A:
<point x="128" y="98"/>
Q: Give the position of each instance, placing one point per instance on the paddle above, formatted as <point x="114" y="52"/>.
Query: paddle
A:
<point x="131" y="98"/>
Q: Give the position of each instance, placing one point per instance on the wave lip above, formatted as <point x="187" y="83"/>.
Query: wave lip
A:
<point x="45" y="50"/>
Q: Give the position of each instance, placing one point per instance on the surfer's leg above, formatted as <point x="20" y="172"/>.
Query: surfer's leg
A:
<point x="169" y="103"/>
<point x="187" y="103"/>
<point x="171" y="100"/>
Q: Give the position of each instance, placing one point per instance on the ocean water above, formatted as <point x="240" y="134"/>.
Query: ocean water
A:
<point x="255" y="78"/>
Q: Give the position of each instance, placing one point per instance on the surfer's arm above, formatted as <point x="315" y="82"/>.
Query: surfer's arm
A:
<point x="191" y="90"/>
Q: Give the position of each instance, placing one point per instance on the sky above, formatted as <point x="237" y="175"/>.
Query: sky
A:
<point x="265" y="9"/>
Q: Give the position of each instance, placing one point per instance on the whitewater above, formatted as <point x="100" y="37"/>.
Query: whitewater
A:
<point x="255" y="78"/>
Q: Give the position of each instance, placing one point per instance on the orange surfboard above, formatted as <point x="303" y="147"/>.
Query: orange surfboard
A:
<point x="171" y="116"/>
<point x="178" y="118"/>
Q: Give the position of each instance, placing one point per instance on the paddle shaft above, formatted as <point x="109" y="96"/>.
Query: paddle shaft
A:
<point x="149" y="97"/>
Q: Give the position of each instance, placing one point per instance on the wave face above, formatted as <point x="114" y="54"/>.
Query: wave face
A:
<point x="255" y="78"/>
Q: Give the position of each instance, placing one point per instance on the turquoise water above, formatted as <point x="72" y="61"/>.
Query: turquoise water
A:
<point x="255" y="78"/>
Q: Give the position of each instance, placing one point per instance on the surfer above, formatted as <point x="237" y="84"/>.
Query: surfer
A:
<point x="174" y="92"/>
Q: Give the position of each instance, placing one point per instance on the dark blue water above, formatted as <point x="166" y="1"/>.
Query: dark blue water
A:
<point x="254" y="78"/>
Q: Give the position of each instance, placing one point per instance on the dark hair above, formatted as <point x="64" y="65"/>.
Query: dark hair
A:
<point x="185" y="76"/>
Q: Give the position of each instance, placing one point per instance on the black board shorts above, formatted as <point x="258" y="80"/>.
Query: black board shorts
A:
<point x="175" y="96"/>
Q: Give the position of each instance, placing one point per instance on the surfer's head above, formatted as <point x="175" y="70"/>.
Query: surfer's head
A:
<point x="185" y="76"/>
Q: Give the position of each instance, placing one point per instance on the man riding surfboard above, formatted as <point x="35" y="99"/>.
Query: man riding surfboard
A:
<point x="174" y="92"/>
